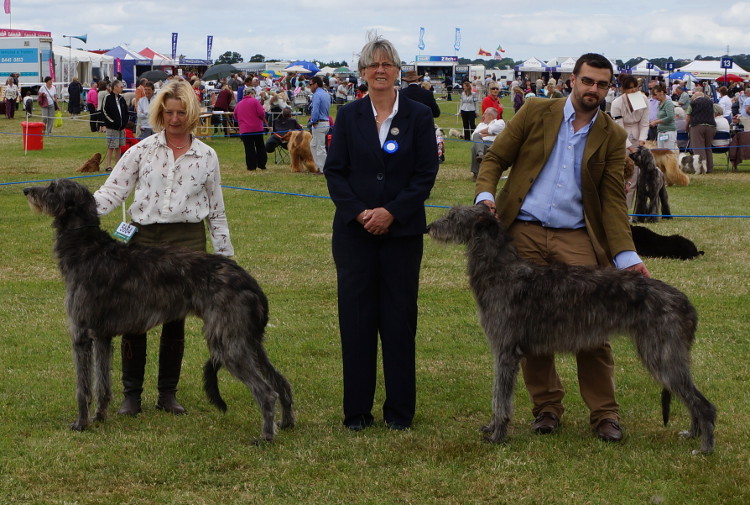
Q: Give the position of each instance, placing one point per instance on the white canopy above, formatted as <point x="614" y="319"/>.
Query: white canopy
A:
<point x="71" y="62"/>
<point x="711" y="69"/>
<point x="642" y="69"/>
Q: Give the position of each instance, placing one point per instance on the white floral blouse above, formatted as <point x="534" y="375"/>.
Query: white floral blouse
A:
<point x="185" y="190"/>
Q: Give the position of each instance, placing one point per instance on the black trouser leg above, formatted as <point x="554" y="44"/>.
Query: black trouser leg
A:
<point x="171" y="350"/>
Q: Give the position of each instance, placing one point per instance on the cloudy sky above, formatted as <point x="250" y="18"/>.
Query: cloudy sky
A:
<point x="336" y="29"/>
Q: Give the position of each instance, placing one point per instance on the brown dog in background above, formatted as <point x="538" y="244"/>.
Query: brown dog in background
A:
<point x="300" y="154"/>
<point x="92" y="165"/>
<point x="666" y="160"/>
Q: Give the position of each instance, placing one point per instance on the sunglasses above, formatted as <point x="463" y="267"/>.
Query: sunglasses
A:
<point x="588" y="82"/>
<point x="494" y="89"/>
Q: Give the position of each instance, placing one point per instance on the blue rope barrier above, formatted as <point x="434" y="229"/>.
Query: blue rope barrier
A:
<point x="323" y="197"/>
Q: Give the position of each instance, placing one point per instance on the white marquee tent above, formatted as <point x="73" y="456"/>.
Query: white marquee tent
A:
<point x="711" y="69"/>
<point x="77" y="63"/>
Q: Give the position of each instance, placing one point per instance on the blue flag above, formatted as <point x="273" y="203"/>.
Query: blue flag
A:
<point x="421" y="39"/>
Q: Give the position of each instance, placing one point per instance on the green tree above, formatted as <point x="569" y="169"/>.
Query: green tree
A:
<point x="229" y="57"/>
<point x="257" y="58"/>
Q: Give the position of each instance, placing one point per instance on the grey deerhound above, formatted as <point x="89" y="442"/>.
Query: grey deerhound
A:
<point x="651" y="189"/>
<point x="113" y="288"/>
<point x="526" y="308"/>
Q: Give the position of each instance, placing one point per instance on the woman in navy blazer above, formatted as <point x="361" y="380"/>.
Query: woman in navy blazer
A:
<point x="380" y="168"/>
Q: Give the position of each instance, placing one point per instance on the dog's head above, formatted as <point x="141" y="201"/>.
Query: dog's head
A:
<point x="642" y="157"/>
<point x="65" y="200"/>
<point x="461" y="223"/>
<point x="96" y="158"/>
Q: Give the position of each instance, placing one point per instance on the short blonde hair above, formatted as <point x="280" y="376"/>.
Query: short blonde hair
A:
<point x="377" y="44"/>
<point x="178" y="90"/>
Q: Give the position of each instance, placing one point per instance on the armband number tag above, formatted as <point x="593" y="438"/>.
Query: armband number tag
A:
<point x="125" y="231"/>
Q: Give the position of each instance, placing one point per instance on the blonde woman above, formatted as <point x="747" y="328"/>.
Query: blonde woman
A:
<point x="176" y="186"/>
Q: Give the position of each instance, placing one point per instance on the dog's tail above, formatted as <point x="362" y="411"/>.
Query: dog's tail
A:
<point x="211" y="384"/>
<point x="666" y="400"/>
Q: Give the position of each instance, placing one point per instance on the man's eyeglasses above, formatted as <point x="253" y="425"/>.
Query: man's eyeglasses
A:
<point x="386" y="66"/>
<point x="587" y="81"/>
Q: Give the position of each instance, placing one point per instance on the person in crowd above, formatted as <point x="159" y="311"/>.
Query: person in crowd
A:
<point x="448" y="83"/>
<point x="48" y="91"/>
<point x="414" y="91"/>
<point x="142" y="110"/>
<point x="320" y="121"/>
<point x="682" y="98"/>
<point x="725" y="102"/>
<point x="251" y="119"/>
<point x="281" y="130"/>
<point x="167" y="211"/>
<point x="75" y="92"/>
<point x="634" y="119"/>
<point x="104" y="89"/>
<point x="564" y="202"/>
<point x="518" y="98"/>
<point x="468" y="109"/>
<point x="700" y="120"/>
<point x="10" y="96"/>
<point x="493" y="99"/>
<point x="380" y="170"/>
<point x="745" y="111"/>
<point x="130" y="138"/>
<point x="92" y="106"/>
<point x="483" y="136"/>
<point x="115" y="116"/>
<point x="722" y="126"/>
<point x="666" y="132"/>
<point x="223" y="103"/>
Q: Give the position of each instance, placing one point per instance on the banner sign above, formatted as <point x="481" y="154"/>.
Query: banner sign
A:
<point x="23" y="33"/>
<point x="457" y="43"/>
<point x="209" y="44"/>
<point x="421" y="39"/>
<point x="436" y="58"/>
<point x="174" y="45"/>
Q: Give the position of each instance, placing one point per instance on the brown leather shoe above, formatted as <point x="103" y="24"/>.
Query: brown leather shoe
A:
<point x="545" y="423"/>
<point x="609" y="430"/>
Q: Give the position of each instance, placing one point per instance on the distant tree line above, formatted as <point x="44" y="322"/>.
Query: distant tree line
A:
<point x="235" y="57"/>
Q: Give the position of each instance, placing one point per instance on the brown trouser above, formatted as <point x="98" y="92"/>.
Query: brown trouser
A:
<point x="595" y="366"/>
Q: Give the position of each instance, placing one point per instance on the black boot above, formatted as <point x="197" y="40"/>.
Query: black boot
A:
<point x="133" y="350"/>
<point x="171" y="349"/>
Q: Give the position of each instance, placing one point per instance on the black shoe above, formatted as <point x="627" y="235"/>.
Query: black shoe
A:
<point x="359" y="423"/>
<point x="397" y="426"/>
<point x="131" y="406"/>
<point x="168" y="403"/>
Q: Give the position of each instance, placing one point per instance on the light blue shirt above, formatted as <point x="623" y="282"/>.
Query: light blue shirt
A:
<point x="555" y="198"/>
<point x="743" y="108"/>
<point x="321" y="106"/>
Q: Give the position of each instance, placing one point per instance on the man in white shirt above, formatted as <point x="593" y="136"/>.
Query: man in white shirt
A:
<point x="483" y="136"/>
<point x="144" y="103"/>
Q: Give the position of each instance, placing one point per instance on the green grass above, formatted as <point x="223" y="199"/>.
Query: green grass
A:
<point x="206" y="457"/>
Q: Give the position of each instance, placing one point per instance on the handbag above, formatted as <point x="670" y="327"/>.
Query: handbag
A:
<point x="42" y="98"/>
<point x="58" y="119"/>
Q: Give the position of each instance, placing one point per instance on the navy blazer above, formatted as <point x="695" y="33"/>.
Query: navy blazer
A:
<point x="361" y="175"/>
<point x="421" y="95"/>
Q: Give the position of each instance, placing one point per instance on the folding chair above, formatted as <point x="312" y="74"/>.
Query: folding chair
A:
<point x="281" y="153"/>
<point x="720" y="145"/>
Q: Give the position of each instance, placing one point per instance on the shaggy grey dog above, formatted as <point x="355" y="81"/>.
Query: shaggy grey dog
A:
<point x="114" y="288"/>
<point x="651" y="189"/>
<point x="526" y="308"/>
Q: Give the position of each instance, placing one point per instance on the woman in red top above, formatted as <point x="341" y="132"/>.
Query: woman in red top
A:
<point x="493" y="99"/>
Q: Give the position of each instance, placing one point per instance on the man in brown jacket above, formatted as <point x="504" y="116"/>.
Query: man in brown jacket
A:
<point x="564" y="201"/>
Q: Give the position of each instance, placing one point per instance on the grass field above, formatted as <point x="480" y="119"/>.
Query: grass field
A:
<point x="284" y="240"/>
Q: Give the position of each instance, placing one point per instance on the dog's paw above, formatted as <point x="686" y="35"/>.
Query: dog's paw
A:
<point x="80" y="425"/>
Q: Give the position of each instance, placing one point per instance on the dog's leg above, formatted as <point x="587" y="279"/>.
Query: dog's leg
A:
<point x="280" y="385"/>
<point x="506" y="371"/>
<point x="103" y="364"/>
<point x="668" y="360"/>
<point x="664" y="198"/>
<point x="247" y="371"/>
<point x="82" y="358"/>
